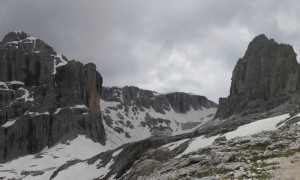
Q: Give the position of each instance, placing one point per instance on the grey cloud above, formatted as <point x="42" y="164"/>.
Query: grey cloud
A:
<point x="170" y="45"/>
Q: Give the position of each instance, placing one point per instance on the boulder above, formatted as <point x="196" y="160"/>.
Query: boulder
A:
<point x="228" y="157"/>
<point x="196" y="158"/>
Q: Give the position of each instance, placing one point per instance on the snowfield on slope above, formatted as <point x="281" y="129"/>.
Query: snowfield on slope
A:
<point x="245" y="130"/>
<point x="48" y="160"/>
<point x="131" y="122"/>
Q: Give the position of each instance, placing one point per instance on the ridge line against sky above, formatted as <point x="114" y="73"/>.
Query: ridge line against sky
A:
<point x="171" y="45"/>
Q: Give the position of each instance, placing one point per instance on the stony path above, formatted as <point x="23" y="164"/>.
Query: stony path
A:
<point x="289" y="168"/>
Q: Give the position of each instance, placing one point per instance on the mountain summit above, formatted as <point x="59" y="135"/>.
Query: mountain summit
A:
<point x="264" y="78"/>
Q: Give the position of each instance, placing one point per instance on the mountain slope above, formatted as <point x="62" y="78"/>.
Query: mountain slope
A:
<point x="129" y="112"/>
<point x="239" y="153"/>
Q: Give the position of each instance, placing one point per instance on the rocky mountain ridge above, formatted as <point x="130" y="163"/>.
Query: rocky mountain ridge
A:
<point x="40" y="92"/>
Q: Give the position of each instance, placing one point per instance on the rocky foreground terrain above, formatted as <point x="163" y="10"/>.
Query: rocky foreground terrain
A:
<point x="245" y="153"/>
<point x="249" y="157"/>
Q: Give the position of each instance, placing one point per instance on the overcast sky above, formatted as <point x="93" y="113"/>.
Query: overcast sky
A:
<point x="161" y="45"/>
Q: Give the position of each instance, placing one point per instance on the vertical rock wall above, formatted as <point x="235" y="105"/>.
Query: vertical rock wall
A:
<point x="262" y="79"/>
<point x="44" y="97"/>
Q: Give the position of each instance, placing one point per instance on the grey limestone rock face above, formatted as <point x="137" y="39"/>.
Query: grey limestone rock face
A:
<point x="133" y="103"/>
<point x="44" y="97"/>
<point x="262" y="79"/>
<point x="181" y="102"/>
<point x="80" y="83"/>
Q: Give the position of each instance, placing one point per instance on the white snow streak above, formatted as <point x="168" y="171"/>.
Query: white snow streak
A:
<point x="9" y="123"/>
<point x="26" y="95"/>
<point x="58" y="61"/>
<point x="117" y="153"/>
<point x="82" y="106"/>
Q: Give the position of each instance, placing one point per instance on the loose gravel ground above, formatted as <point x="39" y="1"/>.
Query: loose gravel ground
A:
<point x="289" y="168"/>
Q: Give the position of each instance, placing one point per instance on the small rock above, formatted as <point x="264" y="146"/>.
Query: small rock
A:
<point x="238" y="175"/>
<point x="209" y="178"/>
<point x="229" y="157"/>
<point x="196" y="158"/>
<point x="267" y="142"/>
<point x="267" y="153"/>
<point x="220" y="139"/>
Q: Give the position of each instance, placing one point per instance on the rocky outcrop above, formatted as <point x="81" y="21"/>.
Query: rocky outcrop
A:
<point x="79" y="83"/>
<point x="44" y="97"/>
<point x="263" y="79"/>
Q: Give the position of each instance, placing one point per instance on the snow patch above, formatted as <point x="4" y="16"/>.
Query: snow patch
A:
<point x="16" y="82"/>
<point x="117" y="153"/>
<point x="257" y="126"/>
<point x="4" y="84"/>
<point x="50" y="159"/>
<point x="174" y="145"/>
<point x="9" y="123"/>
<point x="36" y="113"/>
<point x="26" y="95"/>
<point x="58" y="61"/>
<point x="82" y="106"/>
<point x="57" y="110"/>
<point x="31" y="38"/>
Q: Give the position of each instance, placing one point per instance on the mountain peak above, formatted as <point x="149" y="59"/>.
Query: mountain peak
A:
<point x="15" y="36"/>
<point x="261" y="37"/>
<point x="258" y="43"/>
<point x="267" y="70"/>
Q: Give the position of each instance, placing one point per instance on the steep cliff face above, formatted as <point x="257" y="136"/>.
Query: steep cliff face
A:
<point x="44" y="97"/>
<point x="262" y="79"/>
<point x="130" y="112"/>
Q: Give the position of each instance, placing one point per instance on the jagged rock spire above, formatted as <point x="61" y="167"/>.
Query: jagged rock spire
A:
<point x="266" y="70"/>
<point x="15" y="36"/>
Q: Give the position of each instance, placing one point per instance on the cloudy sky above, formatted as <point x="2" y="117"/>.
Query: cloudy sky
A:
<point x="161" y="45"/>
